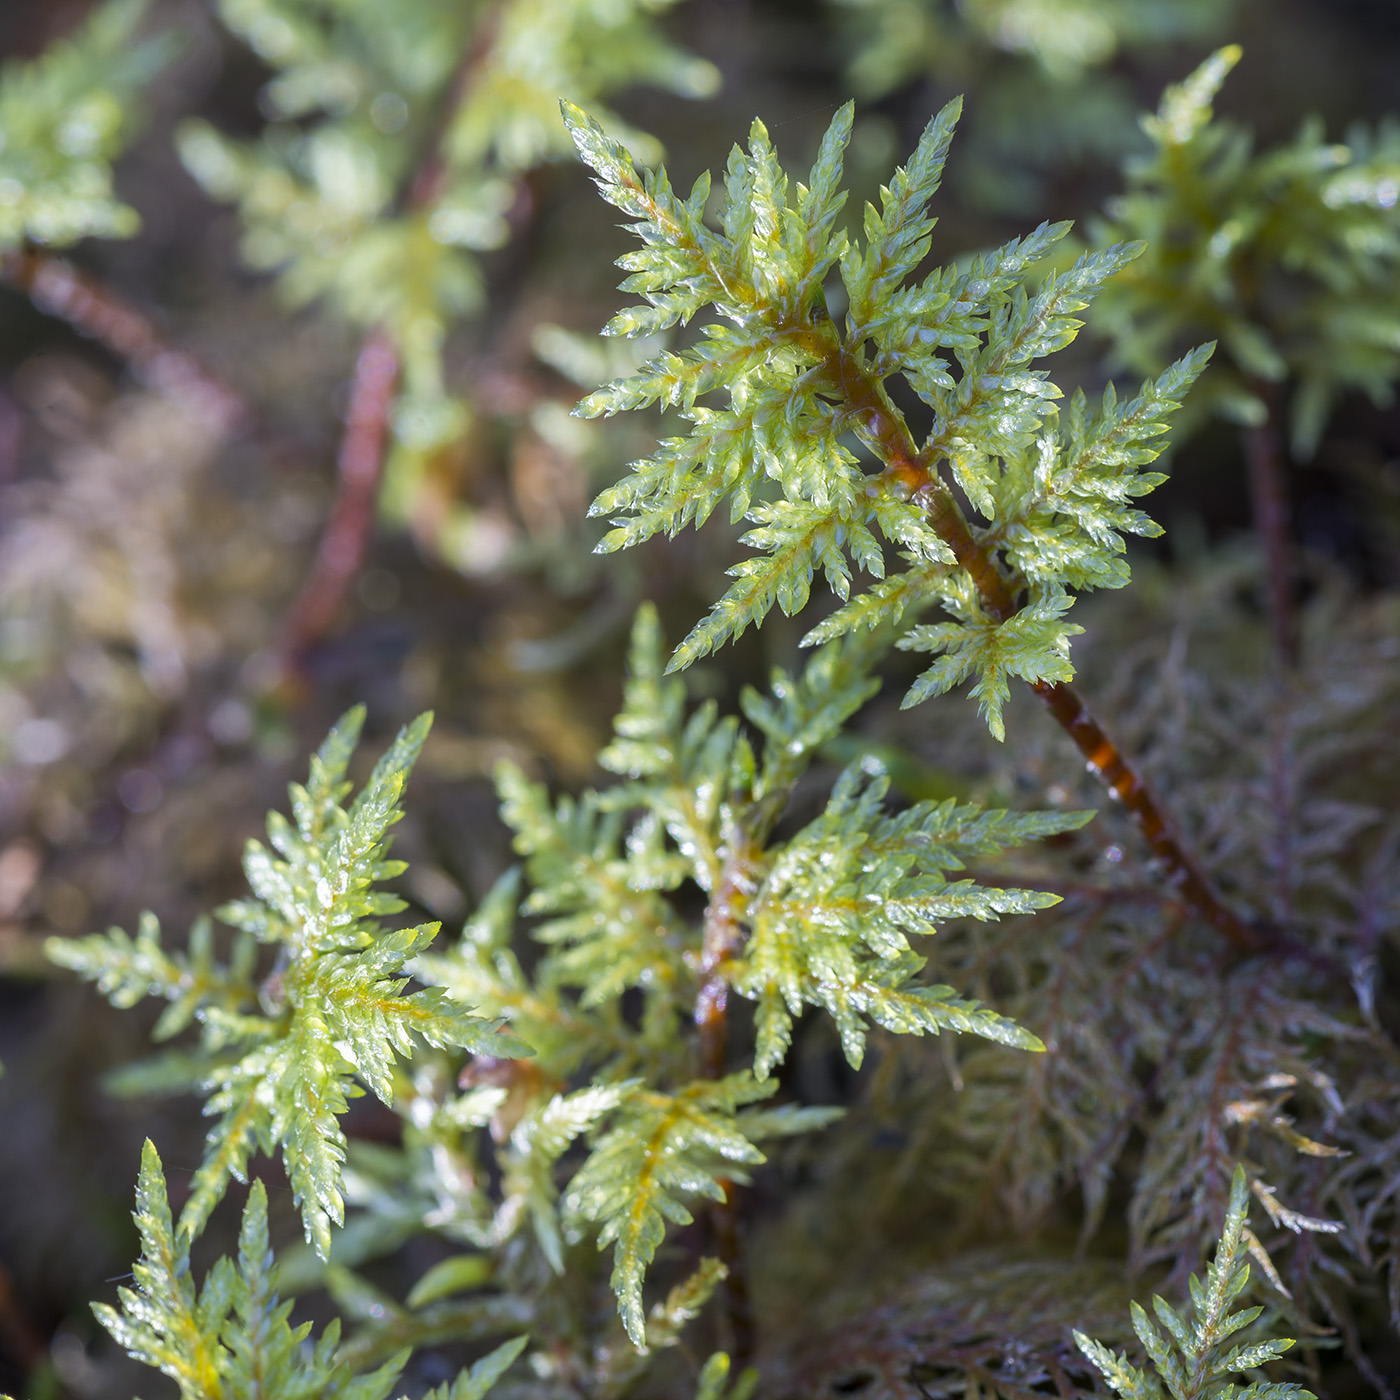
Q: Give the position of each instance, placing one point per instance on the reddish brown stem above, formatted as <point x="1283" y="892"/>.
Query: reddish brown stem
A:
<point x="884" y="430"/>
<point x="360" y="463"/>
<point x="97" y="313"/>
<point x="346" y="536"/>
<point x="430" y="179"/>
<point x="1267" y="465"/>
<point x="723" y="934"/>
<point x="734" y="1291"/>
<point x="1107" y="763"/>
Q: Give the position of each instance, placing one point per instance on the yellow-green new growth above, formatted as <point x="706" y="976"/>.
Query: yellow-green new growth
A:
<point x="232" y="1339"/>
<point x="232" y="1336"/>
<point x="1190" y="1354"/>
<point x="660" y="1149"/>
<point x="823" y="918"/>
<point x="775" y="394"/>
<point x="830" y="921"/>
<point x="282" y="1057"/>
<point x="898" y="40"/>
<point x="621" y="1121"/>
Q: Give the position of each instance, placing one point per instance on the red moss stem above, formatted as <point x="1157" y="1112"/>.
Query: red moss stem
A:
<point x="360" y="462"/>
<point x="345" y="540"/>
<point x="722" y="937"/>
<point x="430" y="179"/>
<point x="888" y="437"/>
<point x="99" y="314"/>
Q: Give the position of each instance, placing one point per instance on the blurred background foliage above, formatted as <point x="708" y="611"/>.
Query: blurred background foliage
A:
<point x="213" y="219"/>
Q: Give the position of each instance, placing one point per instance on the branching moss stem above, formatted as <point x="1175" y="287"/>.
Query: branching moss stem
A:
<point x="910" y="472"/>
<point x="360" y="460"/>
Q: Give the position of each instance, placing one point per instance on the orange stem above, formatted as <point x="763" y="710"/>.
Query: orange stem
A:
<point x="99" y="314"/>
<point x="884" y="430"/>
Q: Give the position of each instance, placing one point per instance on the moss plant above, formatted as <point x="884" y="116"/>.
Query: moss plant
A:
<point x="592" y="1089"/>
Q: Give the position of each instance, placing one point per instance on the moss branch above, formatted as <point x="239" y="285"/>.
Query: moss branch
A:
<point x="911" y="473"/>
<point x="360" y="460"/>
<point x="723" y="935"/>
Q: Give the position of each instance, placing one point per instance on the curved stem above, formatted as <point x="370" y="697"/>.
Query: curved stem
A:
<point x="360" y="462"/>
<point x="912" y="473"/>
<point x="99" y="314"/>
<point x="723" y="934"/>
<point x="345" y="540"/>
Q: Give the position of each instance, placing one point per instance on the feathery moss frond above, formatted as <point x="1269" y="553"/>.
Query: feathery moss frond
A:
<point x="822" y="918"/>
<point x="609" y="923"/>
<point x="787" y="388"/>
<point x="231" y="1337"/>
<point x="160" y="1322"/>
<point x="536" y="1144"/>
<point x="1189" y="1354"/>
<point x="661" y="1147"/>
<point x="416" y="124"/>
<point x="832" y="919"/>
<point x="333" y="1008"/>
<point x="1286" y="256"/>
<point x="126" y="970"/>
